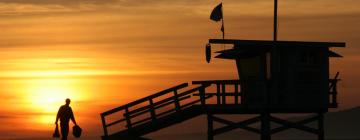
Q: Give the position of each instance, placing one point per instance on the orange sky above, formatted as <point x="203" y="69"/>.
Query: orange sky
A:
<point x="104" y="54"/>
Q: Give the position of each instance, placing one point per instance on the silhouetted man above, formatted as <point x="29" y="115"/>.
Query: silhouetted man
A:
<point x="65" y="113"/>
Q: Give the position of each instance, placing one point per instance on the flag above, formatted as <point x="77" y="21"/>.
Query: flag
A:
<point x="216" y="14"/>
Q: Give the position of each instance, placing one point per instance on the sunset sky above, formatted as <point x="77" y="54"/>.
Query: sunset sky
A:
<point x="105" y="53"/>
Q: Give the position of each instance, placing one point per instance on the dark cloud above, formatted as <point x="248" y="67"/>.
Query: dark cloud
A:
<point x="57" y="2"/>
<point x="119" y="3"/>
<point x="8" y="117"/>
<point x="5" y="117"/>
<point x="41" y="7"/>
<point x="163" y="2"/>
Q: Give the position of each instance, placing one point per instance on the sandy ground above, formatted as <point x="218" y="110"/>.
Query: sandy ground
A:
<point x="343" y="125"/>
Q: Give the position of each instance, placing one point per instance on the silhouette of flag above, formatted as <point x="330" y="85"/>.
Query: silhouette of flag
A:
<point x="216" y="14"/>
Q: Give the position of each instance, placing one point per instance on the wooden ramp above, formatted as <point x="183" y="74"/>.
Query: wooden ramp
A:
<point x="160" y="123"/>
<point x="154" y="112"/>
<point x="183" y="102"/>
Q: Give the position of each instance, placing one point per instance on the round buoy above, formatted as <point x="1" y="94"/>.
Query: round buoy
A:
<point x="208" y="52"/>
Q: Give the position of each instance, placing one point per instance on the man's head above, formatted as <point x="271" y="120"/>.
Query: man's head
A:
<point x="67" y="101"/>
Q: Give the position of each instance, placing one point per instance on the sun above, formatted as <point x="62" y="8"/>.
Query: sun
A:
<point x="47" y="95"/>
<point x="47" y="99"/>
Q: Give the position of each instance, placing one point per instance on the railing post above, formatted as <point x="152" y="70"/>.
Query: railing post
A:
<point x="104" y="125"/>
<point x="127" y="118"/>
<point x="223" y="93"/>
<point x="265" y="126"/>
<point x="177" y="102"/>
<point x="210" y="127"/>
<point x="242" y="85"/>
<point x="236" y="93"/>
<point x="152" y="110"/>
<point x="202" y="95"/>
<point x="218" y="93"/>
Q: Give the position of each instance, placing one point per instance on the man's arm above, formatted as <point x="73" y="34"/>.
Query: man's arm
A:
<point x="72" y="117"/>
<point x="57" y="116"/>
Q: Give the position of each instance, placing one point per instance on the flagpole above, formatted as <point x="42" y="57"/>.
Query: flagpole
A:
<point x="222" y="20"/>
<point x="275" y="19"/>
<point x="274" y="58"/>
<point x="223" y="28"/>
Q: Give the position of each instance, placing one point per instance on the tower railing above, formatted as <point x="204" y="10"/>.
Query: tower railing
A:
<point x="222" y="90"/>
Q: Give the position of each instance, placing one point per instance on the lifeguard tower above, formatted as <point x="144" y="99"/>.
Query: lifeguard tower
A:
<point x="287" y="77"/>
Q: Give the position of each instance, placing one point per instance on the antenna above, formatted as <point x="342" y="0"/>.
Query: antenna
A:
<point x="275" y="19"/>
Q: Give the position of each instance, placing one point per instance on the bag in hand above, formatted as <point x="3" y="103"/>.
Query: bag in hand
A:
<point x="56" y="132"/>
<point x="77" y="131"/>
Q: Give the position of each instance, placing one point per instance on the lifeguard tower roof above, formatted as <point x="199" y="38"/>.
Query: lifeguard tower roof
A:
<point x="258" y="43"/>
<point x="245" y="48"/>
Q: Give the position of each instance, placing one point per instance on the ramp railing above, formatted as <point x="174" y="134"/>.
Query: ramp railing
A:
<point x="153" y="107"/>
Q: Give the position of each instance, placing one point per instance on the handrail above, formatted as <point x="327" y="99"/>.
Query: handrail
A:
<point x="234" y="81"/>
<point x="164" y="101"/>
<point x="157" y="106"/>
<point x="157" y="115"/>
<point x="145" y="99"/>
<point x="151" y="106"/>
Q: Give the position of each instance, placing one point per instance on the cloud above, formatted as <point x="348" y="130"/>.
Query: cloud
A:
<point x="57" y="2"/>
<point x="121" y="2"/>
<point x="33" y="7"/>
<point x="231" y="7"/>
<point x="5" y="117"/>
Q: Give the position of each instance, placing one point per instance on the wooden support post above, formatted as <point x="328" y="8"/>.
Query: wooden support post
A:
<point x="236" y="93"/>
<point x="223" y="93"/>
<point x="321" y="126"/>
<point x="275" y="19"/>
<point x="152" y="110"/>
<point x="127" y="118"/>
<point x="104" y="125"/>
<point x="177" y="102"/>
<point x="265" y="126"/>
<point x="202" y="95"/>
<point x="210" y="133"/>
<point x="241" y="92"/>
<point x="218" y="93"/>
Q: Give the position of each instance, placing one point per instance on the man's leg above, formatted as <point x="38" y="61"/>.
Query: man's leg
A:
<point x="64" y="131"/>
